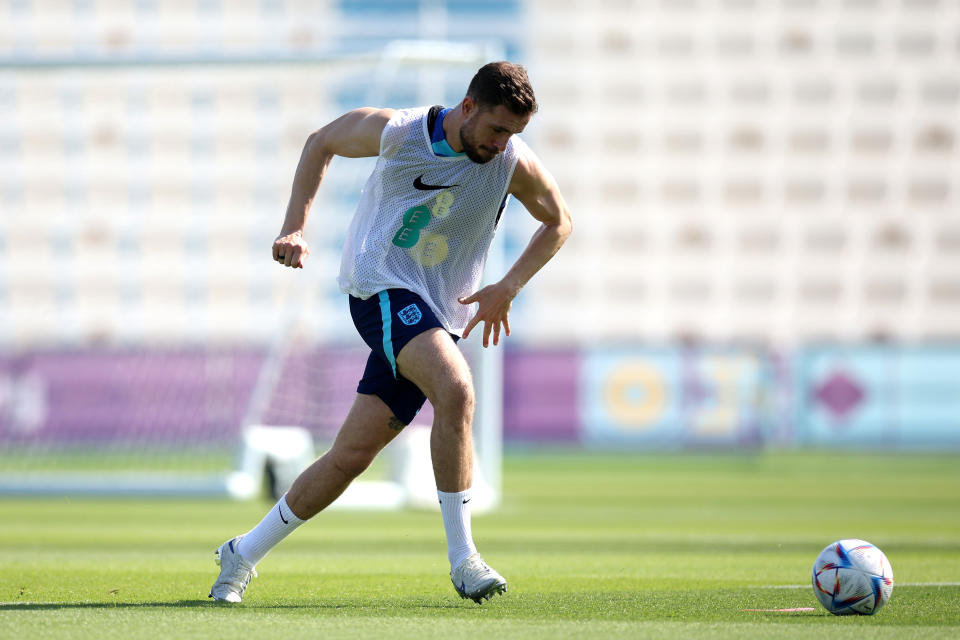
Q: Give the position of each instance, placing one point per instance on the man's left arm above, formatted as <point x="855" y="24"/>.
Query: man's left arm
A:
<point x="536" y="189"/>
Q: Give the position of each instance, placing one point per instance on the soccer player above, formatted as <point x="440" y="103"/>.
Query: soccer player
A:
<point x="412" y="265"/>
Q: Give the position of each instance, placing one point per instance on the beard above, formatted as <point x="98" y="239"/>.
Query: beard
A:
<point x="476" y="153"/>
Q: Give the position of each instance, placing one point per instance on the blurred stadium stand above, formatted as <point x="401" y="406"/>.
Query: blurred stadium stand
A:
<point x="774" y="173"/>
<point x="780" y="171"/>
<point x="147" y="152"/>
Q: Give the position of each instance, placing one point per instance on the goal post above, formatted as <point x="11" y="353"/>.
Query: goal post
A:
<point x="274" y="438"/>
<point x="153" y="183"/>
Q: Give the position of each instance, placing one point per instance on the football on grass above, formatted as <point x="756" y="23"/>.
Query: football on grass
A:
<point x="852" y="577"/>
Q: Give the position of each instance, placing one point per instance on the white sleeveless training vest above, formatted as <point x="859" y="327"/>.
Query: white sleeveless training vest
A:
<point x="425" y="222"/>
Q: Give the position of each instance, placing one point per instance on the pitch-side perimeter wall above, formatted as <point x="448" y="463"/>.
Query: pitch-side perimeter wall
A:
<point x="876" y="396"/>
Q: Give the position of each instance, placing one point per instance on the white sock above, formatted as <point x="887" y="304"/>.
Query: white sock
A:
<point x="455" y="509"/>
<point x="275" y="526"/>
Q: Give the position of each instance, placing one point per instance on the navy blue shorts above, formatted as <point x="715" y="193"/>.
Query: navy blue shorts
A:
<point x="387" y="322"/>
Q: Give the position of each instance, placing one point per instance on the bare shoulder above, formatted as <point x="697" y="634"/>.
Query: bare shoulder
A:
<point x="356" y="134"/>
<point x="534" y="186"/>
<point x="530" y="177"/>
<point x="375" y="117"/>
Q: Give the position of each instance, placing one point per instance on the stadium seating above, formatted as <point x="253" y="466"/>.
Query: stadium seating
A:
<point x="781" y="171"/>
<point x="765" y="171"/>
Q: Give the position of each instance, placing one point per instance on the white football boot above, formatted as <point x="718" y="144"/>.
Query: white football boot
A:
<point x="235" y="573"/>
<point x="475" y="580"/>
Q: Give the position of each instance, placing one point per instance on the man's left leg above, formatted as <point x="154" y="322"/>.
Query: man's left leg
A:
<point x="433" y="362"/>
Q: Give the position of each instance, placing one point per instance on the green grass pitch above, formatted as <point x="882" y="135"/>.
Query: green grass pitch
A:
<point x="593" y="546"/>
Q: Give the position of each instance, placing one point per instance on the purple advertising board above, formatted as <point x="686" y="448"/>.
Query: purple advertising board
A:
<point x="874" y="397"/>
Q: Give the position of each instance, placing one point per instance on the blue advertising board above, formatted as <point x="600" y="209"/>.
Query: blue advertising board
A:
<point x="878" y="396"/>
<point x="673" y="397"/>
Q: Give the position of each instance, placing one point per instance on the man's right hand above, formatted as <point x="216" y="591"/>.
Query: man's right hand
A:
<point x="291" y="250"/>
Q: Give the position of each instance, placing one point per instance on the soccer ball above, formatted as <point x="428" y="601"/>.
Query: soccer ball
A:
<point x="852" y="577"/>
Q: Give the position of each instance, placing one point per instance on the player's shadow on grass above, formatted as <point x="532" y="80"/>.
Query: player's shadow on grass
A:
<point x="186" y="604"/>
<point x="49" y="606"/>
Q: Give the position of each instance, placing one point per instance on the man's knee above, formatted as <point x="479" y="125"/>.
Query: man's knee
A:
<point x="351" y="461"/>
<point x="455" y="397"/>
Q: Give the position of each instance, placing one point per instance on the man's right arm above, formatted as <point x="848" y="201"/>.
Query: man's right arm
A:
<point x="356" y="134"/>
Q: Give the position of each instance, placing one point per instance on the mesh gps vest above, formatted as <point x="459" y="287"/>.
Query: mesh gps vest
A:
<point x="425" y="222"/>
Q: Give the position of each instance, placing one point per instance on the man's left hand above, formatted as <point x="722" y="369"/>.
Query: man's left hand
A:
<point x="494" y="311"/>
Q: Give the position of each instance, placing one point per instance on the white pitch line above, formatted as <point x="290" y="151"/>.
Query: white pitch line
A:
<point x="896" y="584"/>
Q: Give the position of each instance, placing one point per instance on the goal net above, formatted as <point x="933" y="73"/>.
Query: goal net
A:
<point x="151" y="347"/>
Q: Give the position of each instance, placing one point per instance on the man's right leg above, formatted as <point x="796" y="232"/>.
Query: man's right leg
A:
<point x="368" y="428"/>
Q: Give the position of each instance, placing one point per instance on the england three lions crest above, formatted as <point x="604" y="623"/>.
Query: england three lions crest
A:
<point x="410" y="314"/>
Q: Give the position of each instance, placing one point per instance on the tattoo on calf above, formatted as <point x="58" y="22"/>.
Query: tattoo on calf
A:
<point x="395" y="424"/>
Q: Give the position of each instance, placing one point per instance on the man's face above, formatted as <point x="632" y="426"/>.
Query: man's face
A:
<point x="486" y="130"/>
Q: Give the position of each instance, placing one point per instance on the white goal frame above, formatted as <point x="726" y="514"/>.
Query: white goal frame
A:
<point x="283" y="449"/>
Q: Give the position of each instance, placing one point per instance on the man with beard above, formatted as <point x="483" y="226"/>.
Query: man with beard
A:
<point x="412" y="265"/>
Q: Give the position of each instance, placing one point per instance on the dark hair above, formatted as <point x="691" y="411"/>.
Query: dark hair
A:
<point x="503" y="83"/>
